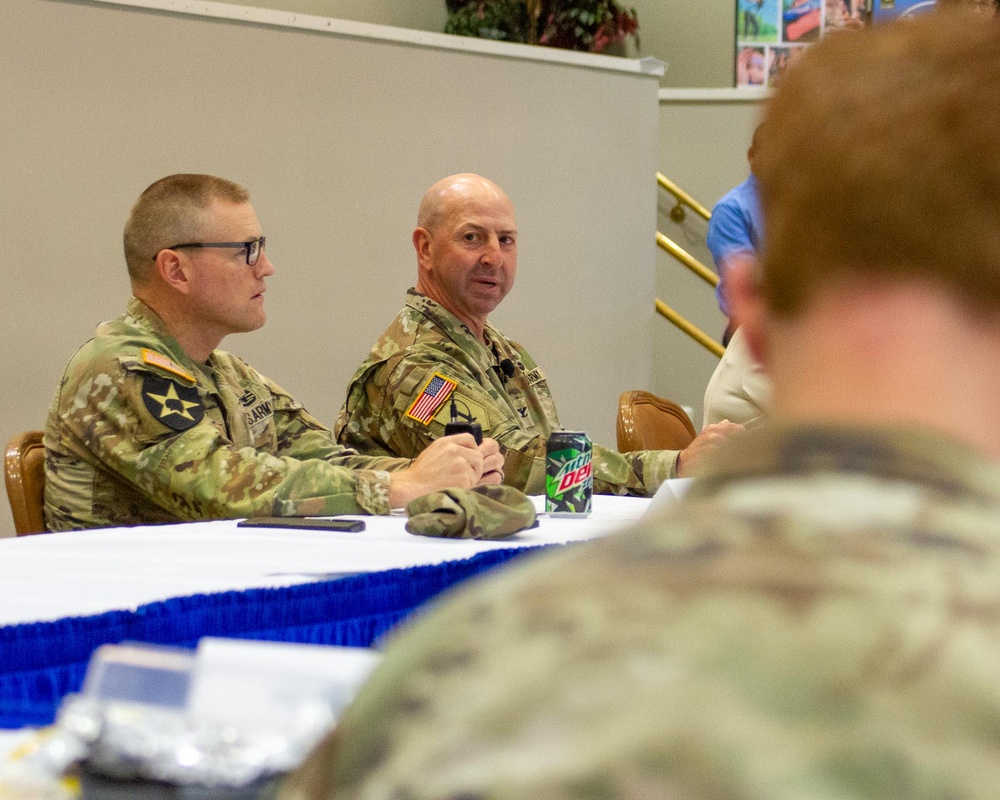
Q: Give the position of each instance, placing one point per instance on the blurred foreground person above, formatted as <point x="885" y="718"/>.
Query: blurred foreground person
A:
<point x="820" y="616"/>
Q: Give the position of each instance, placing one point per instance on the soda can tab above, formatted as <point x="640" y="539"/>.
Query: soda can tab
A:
<point x="569" y="474"/>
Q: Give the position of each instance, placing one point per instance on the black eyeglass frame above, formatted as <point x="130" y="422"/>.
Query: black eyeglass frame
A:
<point x="248" y="246"/>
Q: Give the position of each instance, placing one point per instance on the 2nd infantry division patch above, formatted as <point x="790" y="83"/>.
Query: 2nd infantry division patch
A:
<point x="435" y="393"/>
<point x="178" y="407"/>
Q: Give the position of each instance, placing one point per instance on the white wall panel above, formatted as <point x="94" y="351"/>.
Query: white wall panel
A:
<point x="337" y="136"/>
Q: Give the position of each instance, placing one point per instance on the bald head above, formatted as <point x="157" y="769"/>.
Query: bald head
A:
<point x="466" y="243"/>
<point x="454" y="189"/>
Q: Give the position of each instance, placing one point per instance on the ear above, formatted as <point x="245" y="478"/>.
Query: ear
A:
<point x="172" y="270"/>
<point x="422" y="244"/>
<point x="746" y="304"/>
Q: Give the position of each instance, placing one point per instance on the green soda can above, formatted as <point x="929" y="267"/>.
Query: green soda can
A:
<point x="569" y="474"/>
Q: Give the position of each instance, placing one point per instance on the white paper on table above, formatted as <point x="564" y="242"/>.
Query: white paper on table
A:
<point x="667" y="495"/>
<point x="262" y="683"/>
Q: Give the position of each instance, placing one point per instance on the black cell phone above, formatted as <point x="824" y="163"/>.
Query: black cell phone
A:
<point x="309" y="523"/>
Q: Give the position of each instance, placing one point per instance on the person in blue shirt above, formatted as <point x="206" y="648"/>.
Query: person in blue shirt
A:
<point x="736" y="229"/>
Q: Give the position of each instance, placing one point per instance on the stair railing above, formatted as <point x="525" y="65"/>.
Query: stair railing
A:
<point x="677" y="214"/>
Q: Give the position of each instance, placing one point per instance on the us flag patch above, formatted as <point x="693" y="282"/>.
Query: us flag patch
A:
<point x="434" y="394"/>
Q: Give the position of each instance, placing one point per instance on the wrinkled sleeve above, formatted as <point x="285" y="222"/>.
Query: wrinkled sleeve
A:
<point x="199" y="473"/>
<point x="637" y="473"/>
<point x="728" y="233"/>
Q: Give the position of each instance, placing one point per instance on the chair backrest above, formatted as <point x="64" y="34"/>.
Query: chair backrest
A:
<point x="648" y="422"/>
<point x="24" y="472"/>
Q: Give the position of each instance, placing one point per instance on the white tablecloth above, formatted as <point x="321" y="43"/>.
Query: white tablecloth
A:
<point x="53" y="576"/>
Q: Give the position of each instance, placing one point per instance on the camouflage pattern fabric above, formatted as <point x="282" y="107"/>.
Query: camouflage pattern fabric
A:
<point x="819" y="618"/>
<point x="485" y="512"/>
<point x="139" y="433"/>
<point x="382" y="417"/>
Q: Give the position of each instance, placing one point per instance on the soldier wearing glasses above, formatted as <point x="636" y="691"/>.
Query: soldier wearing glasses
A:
<point x="152" y="423"/>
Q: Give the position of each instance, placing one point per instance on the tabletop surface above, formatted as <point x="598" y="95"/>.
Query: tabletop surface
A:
<point x="53" y="576"/>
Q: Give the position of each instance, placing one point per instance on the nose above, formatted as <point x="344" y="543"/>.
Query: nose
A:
<point x="492" y="254"/>
<point x="264" y="267"/>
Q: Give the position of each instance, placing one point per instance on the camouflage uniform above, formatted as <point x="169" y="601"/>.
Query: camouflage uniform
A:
<point x="820" y="619"/>
<point x="139" y="433"/>
<point x="424" y="341"/>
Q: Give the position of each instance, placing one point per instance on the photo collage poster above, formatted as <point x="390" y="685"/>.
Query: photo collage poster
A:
<point x="771" y="34"/>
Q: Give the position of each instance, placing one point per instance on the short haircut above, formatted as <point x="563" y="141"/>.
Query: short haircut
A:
<point x="170" y="212"/>
<point x="882" y="162"/>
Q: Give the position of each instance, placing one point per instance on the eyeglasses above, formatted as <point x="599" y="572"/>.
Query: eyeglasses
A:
<point x="254" y="248"/>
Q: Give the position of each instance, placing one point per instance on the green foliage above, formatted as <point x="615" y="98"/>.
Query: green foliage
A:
<point x="500" y="19"/>
<point x="589" y="25"/>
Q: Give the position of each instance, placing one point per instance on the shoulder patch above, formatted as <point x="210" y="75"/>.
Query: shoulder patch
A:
<point x="176" y="406"/>
<point x="435" y="393"/>
<point x="534" y="376"/>
<point x="157" y="360"/>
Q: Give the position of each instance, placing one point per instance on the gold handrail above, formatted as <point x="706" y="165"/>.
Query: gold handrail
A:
<point x="687" y="259"/>
<point x="683" y="199"/>
<point x="689" y="328"/>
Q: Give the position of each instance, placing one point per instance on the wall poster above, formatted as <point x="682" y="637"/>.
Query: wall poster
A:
<point x="771" y="34"/>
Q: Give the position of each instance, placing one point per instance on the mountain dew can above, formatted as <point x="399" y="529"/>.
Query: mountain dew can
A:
<point x="569" y="474"/>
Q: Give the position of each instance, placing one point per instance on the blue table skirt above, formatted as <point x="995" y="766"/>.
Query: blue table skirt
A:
<point x="42" y="662"/>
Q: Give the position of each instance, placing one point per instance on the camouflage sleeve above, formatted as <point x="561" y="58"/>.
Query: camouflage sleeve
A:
<point x="302" y="437"/>
<point x="639" y="473"/>
<point x="197" y="472"/>
<point x="408" y="432"/>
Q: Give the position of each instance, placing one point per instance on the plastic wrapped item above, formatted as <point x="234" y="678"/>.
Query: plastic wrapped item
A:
<point x="35" y="769"/>
<point x="230" y="715"/>
<point x="168" y="745"/>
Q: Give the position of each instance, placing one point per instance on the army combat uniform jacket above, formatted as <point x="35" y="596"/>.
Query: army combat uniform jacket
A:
<point x="400" y="399"/>
<point x="818" y="618"/>
<point x="139" y="433"/>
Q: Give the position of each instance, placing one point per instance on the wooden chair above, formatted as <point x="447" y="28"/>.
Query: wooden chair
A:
<point x="648" y="422"/>
<point x="24" y="471"/>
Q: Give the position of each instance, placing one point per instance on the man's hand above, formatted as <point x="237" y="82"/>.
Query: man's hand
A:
<point x="492" y="463"/>
<point x="691" y="458"/>
<point x="450" y="461"/>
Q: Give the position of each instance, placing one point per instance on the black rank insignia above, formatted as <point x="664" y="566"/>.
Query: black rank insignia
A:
<point x="176" y="406"/>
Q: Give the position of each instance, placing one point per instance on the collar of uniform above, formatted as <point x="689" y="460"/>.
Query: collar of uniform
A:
<point x="146" y="318"/>
<point x="890" y="452"/>
<point x="453" y="327"/>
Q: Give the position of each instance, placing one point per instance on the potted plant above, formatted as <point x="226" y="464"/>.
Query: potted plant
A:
<point x="590" y="25"/>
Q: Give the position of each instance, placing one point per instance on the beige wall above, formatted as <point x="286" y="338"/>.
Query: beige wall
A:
<point x="337" y="138"/>
<point x="702" y="145"/>
<point x="423" y="15"/>
<point x="694" y="37"/>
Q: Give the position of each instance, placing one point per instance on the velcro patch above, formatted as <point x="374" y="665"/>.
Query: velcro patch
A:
<point x="258" y="411"/>
<point x="176" y="406"/>
<point x="161" y="361"/>
<point x="534" y="376"/>
<point x="435" y="393"/>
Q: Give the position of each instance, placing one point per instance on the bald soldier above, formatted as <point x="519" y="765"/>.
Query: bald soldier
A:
<point x="442" y="351"/>
<point x="153" y="423"/>
<point x="820" y="617"/>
